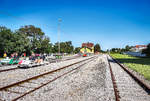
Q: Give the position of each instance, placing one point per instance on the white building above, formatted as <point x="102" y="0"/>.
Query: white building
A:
<point x="138" y="48"/>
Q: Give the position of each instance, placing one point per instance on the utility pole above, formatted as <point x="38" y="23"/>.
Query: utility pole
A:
<point x="59" y="21"/>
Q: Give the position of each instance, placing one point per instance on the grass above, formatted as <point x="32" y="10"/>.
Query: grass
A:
<point x="141" y="65"/>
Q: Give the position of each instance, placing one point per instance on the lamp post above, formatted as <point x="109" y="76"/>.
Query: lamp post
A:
<point x="59" y="21"/>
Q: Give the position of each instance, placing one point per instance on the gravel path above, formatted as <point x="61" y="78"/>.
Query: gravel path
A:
<point x="84" y="84"/>
<point x="129" y="90"/>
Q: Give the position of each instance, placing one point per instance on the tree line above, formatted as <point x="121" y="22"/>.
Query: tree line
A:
<point x="128" y="48"/>
<point x="28" y="39"/>
<point x="120" y="50"/>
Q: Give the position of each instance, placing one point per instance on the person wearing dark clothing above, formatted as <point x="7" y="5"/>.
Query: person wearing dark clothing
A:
<point x="16" y="57"/>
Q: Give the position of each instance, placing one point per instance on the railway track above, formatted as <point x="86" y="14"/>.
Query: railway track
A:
<point x="114" y="83"/>
<point x="127" y="87"/>
<point x="11" y="88"/>
<point x="4" y="70"/>
<point x="15" y="68"/>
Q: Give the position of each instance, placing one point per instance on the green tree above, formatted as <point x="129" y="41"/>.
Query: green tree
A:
<point x="55" y="48"/>
<point x="6" y="43"/>
<point x="97" y="48"/>
<point x="69" y="47"/>
<point x="65" y="47"/>
<point x="77" y="50"/>
<point x="147" y="50"/>
<point x="26" y="39"/>
<point x="31" y="31"/>
<point x="46" y="46"/>
<point x="21" y="43"/>
<point x="38" y="41"/>
<point x="127" y="48"/>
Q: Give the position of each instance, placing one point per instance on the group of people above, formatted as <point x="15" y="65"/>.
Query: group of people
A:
<point x="15" y="56"/>
<point x="34" y="57"/>
<point x="37" y="58"/>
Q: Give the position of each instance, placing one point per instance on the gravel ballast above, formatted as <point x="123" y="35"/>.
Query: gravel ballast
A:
<point x="84" y="84"/>
<point x="91" y="82"/>
<point x="21" y="74"/>
<point x="43" y="79"/>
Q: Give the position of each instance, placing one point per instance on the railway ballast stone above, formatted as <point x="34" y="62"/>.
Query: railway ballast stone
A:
<point x="87" y="83"/>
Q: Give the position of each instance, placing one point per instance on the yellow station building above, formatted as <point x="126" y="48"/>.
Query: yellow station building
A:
<point x="87" y="48"/>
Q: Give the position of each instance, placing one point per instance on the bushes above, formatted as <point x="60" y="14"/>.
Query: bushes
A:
<point x="147" y="50"/>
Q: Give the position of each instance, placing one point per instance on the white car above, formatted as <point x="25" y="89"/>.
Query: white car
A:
<point x="26" y="63"/>
<point x="29" y="63"/>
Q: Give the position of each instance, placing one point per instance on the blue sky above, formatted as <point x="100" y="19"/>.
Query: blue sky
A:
<point x="111" y="23"/>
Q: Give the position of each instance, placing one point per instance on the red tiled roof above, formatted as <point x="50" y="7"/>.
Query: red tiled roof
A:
<point x="138" y="46"/>
<point x="87" y="45"/>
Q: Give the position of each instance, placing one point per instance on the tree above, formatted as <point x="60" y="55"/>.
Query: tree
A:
<point x="65" y="47"/>
<point x="77" y="50"/>
<point x="34" y="34"/>
<point x="146" y="51"/>
<point x="69" y="47"/>
<point x="31" y="31"/>
<point x="46" y="46"/>
<point x="21" y="43"/>
<point x="38" y="41"/>
<point x="26" y="39"/>
<point x="6" y="43"/>
<point x="127" y="48"/>
<point x="97" y="48"/>
<point x="55" y="48"/>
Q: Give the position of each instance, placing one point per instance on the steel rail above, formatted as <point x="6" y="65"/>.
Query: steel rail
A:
<point x="4" y="70"/>
<point x="139" y="81"/>
<point x="34" y="77"/>
<point x="116" y="92"/>
<point x="47" y="82"/>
